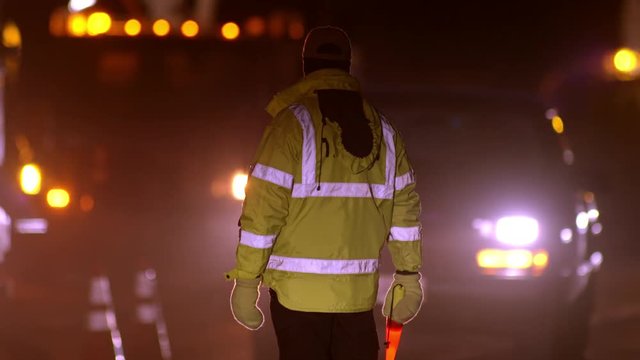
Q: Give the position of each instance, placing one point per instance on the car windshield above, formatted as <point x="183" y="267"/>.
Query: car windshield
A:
<point x="472" y="136"/>
<point x="482" y="152"/>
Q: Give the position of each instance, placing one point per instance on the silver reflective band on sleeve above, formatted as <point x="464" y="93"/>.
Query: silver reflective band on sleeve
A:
<point x="308" y="143"/>
<point x="255" y="240"/>
<point x="323" y="266"/>
<point x="398" y="233"/>
<point x="404" y="180"/>
<point x="272" y="175"/>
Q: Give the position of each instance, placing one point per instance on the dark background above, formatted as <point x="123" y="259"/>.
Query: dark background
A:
<point x="193" y="114"/>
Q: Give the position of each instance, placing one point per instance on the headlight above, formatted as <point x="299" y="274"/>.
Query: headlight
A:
<point x="517" y="230"/>
<point x="512" y="261"/>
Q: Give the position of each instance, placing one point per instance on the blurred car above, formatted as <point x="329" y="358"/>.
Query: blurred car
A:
<point x="509" y="226"/>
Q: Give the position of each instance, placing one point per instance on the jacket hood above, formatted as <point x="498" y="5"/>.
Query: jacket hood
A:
<point x="339" y="80"/>
<point x="317" y="80"/>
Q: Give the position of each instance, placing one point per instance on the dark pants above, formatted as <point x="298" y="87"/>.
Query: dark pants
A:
<point x="324" y="336"/>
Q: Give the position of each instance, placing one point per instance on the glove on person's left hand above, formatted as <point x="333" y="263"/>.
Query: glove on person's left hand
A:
<point x="407" y="307"/>
<point x="244" y="303"/>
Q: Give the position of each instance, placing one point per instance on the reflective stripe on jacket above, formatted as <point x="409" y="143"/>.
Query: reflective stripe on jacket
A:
<point x="315" y="217"/>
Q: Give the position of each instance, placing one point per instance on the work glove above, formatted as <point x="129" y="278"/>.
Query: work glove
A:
<point x="407" y="298"/>
<point x="244" y="303"/>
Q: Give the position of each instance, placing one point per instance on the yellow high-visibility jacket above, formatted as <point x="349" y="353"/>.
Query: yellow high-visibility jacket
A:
<point x="314" y="226"/>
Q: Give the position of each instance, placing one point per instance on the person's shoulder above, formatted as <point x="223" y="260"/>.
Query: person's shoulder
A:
<point x="286" y="120"/>
<point x="372" y="110"/>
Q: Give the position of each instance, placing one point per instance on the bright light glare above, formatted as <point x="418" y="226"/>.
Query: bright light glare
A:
<point x="5" y="219"/>
<point x="541" y="259"/>
<point x="238" y="184"/>
<point x="132" y="27"/>
<point x="504" y="259"/>
<point x="190" y="28"/>
<point x="58" y="198"/>
<point x="30" y="179"/>
<point x="517" y="230"/>
<point x="161" y="27"/>
<point x="98" y="23"/>
<point x="551" y="113"/>
<point x="625" y="60"/>
<point x="79" y="5"/>
<point x="596" y="258"/>
<point x="596" y="229"/>
<point x="77" y="24"/>
<point x="518" y="259"/>
<point x="566" y="235"/>
<point x="230" y="31"/>
<point x="557" y="124"/>
<point x="594" y="214"/>
<point x="484" y="227"/>
<point x="31" y="226"/>
<point x="582" y="220"/>
<point x="11" y="37"/>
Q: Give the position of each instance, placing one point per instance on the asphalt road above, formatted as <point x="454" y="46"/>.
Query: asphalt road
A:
<point x="43" y="324"/>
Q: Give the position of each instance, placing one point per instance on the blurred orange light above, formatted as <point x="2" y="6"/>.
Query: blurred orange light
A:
<point x="626" y="61"/>
<point x="557" y="124"/>
<point x="230" y="31"/>
<point x="190" y="28"/>
<point x="589" y="197"/>
<point x="77" y="24"/>
<point x="11" y="36"/>
<point x="161" y="27"/>
<point x="132" y="27"/>
<point x="277" y="25"/>
<point x="30" y="179"/>
<point x="98" y="23"/>
<point x="58" y="198"/>
<point x="238" y="184"/>
<point x="255" y="26"/>
<point x="296" y="30"/>
<point x="541" y="259"/>
<point x="87" y="203"/>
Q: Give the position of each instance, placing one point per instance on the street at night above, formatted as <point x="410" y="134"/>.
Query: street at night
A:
<point x="501" y="178"/>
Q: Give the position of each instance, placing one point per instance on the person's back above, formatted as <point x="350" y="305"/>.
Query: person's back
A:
<point x="331" y="183"/>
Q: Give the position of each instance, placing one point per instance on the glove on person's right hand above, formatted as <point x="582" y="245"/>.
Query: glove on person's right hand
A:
<point x="408" y="306"/>
<point x="244" y="303"/>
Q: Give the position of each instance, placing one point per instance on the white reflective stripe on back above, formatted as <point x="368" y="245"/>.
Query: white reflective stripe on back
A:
<point x="255" y="240"/>
<point x="323" y="266"/>
<point x="308" y="143"/>
<point x="399" y="233"/>
<point x="272" y="175"/>
<point x="309" y="188"/>
<point x="404" y="180"/>
<point x="387" y="132"/>
<point x="354" y="190"/>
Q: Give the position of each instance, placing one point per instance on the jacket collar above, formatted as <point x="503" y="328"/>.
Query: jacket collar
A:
<point x="317" y="80"/>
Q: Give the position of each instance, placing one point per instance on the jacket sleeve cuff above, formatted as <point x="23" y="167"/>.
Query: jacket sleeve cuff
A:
<point x="239" y="274"/>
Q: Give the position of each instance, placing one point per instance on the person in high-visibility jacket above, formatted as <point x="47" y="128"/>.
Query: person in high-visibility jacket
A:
<point x="330" y="186"/>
